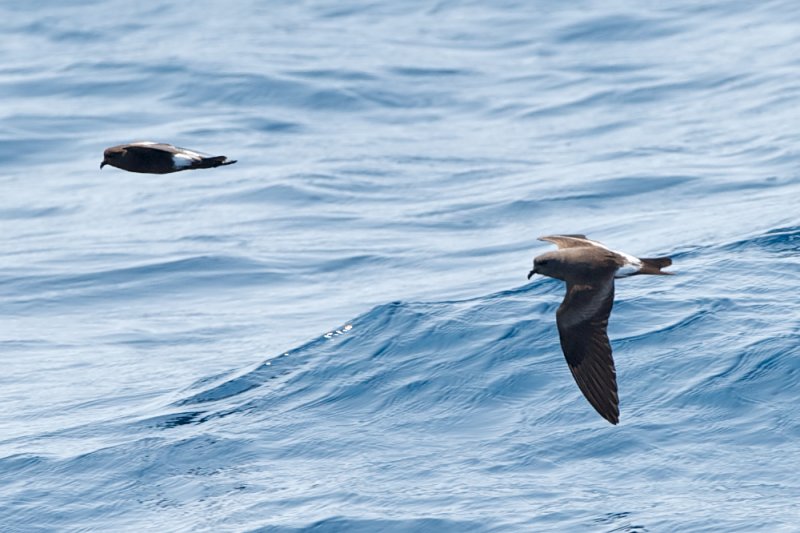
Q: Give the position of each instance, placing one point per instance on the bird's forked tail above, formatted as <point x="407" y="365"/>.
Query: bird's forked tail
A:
<point x="654" y="266"/>
<point x="214" y="161"/>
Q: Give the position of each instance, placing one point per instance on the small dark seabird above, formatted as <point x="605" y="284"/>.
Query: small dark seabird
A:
<point x="158" y="158"/>
<point x="589" y="268"/>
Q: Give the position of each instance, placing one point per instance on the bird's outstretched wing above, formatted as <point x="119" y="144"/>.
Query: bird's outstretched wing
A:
<point x="160" y="157"/>
<point x="582" y="321"/>
<point x="152" y="149"/>
<point x="569" y="241"/>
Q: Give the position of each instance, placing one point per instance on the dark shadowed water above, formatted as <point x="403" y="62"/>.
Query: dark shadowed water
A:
<point x="336" y="334"/>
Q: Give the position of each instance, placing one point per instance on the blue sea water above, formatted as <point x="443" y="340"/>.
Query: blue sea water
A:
<point x="336" y="333"/>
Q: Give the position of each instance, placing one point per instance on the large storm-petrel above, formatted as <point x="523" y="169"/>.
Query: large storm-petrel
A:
<point x="589" y="269"/>
<point x="158" y="158"/>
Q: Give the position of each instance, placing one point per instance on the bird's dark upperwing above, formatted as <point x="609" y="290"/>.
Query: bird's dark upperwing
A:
<point x="146" y="148"/>
<point x="568" y="241"/>
<point x="150" y="156"/>
<point x="582" y="321"/>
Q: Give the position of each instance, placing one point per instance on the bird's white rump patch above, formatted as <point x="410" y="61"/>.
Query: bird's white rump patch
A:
<point x="183" y="160"/>
<point x="632" y="266"/>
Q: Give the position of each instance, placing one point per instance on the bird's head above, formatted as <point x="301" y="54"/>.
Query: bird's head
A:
<point x="547" y="264"/>
<point x="112" y="156"/>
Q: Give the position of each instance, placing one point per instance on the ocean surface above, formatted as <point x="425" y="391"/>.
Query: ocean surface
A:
<point x="336" y="334"/>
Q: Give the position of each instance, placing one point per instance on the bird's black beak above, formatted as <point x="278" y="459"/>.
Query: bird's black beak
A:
<point x="532" y="272"/>
<point x="103" y="164"/>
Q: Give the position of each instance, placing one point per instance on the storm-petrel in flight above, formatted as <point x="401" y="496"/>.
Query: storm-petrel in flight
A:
<point x="158" y="158"/>
<point x="589" y="269"/>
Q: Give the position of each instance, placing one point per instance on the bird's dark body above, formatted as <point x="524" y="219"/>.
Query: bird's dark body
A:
<point x="158" y="158"/>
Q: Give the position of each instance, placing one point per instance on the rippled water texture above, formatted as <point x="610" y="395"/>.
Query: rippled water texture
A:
<point x="335" y="334"/>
